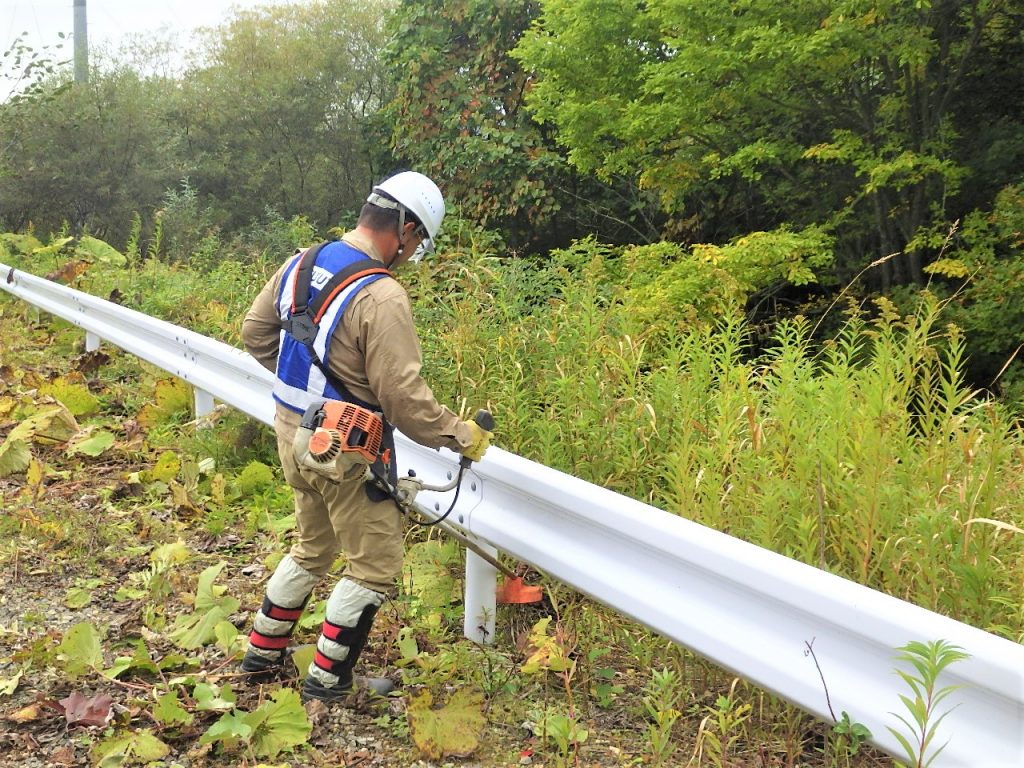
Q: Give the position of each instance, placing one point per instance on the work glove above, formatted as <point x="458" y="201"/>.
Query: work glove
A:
<point x="480" y="439"/>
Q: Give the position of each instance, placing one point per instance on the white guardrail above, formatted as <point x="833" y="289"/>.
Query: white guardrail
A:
<point x="749" y="610"/>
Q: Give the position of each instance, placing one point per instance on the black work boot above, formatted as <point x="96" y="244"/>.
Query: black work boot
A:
<point x="260" y="668"/>
<point x="312" y="689"/>
<point x="330" y="677"/>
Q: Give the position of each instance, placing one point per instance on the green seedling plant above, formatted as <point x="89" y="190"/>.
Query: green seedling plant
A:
<point x="720" y="729"/>
<point x="850" y="736"/>
<point x="552" y="654"/>
<point x="603" y="688"/>
<point x="928" y="660"/>
<point x="661" y="698"/>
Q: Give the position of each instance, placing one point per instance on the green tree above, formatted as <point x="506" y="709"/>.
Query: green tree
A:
<point x="745" y="116"/>
<point x="88" y="156"/>
<point x="459" y="114"/>
<point x="276" y="117"/>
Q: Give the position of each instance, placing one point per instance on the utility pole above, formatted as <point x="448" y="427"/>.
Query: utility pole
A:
<point x="81" y="44"/>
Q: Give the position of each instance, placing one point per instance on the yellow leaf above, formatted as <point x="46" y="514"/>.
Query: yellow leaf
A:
<point x="170" y="397"/>
<point x="26" y="714"/>
<point x="34" y="475"/>
<point x="76" y="396"/>
<point x="166" y="467"/>
<point x="15" y="457"/>
<point x="449" y="731"/>
<point x="53" y="424"/>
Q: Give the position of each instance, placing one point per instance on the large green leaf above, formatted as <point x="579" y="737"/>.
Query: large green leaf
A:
<point x="168" y="710"/>
<point x="80" y="649"/>
<point x="138" y="748"/>
<point x="100" y="251"/>
<point x="279" y="725"/>
<point x="90" y="442"/>
<point x="213" y="698"/>
<point x="431" y="572"/>
<point x="211" y="608"/>
<point x="231" y="730"/>
<point x="450" y="731"/>
<point x="140" y="660"/>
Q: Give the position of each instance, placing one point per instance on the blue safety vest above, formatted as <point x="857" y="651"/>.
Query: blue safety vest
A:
<point x="300" y="381"/>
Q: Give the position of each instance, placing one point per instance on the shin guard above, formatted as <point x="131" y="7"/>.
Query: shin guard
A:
<point x="287" y="593"/>
<point x="350" y="613"/>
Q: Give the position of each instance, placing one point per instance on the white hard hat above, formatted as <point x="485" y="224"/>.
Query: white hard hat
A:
<point x="416" y="194"/>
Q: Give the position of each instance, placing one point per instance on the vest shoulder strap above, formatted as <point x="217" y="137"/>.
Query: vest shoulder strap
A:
<point x="339" y="281"/>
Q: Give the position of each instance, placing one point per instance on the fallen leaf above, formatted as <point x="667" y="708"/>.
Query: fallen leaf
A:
<point x="15" y="457"/>
<point x="63" y="756"/>
<point x="450" y="731"/>
<point x="9" y="685"/>
<point x="67" y="273"/>
<point x="94" y="710"/>
<point x="26" y="714"/>
<point x="90" y="362"/>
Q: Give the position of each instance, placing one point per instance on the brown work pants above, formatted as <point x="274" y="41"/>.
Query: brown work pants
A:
<point x="333" y="518"/>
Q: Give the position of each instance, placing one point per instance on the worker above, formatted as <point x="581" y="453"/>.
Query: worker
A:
<point x="364" y="350"/>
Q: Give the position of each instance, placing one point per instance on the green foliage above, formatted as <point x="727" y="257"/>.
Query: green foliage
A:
<point x="458" y="114"/>
<point x="277" y="726"/>
<point x="839" y="115"/>
<point x="720" y="730"/>
<point x="24" y="70"/>
<point x="661" y="703"/>
<point x="254" y="478"/>
<point x="212" y="607"/>
<point x="560" y="729"/>
<point x="851" y="735"/>
<point x="928" y="661"/>
<point x="89" y="155"/>
<point x="80" y="651"/>
<point x="866" y="456"/>
<point x="984" y="279"/>
<point x="670" y="288"/>
<point x="131" y="748"/>
<point x="168" y="710"/>
<point x="293" y="87"/>
<point x="430" y="574"/>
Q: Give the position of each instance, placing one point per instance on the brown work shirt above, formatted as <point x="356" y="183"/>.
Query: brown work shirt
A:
<point x="374" y="350"/>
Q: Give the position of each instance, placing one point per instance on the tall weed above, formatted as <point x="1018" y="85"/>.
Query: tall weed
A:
<point x="866" y="455"/>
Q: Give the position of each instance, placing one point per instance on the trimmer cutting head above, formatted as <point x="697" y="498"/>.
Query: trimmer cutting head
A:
<point x="513" y="591"/>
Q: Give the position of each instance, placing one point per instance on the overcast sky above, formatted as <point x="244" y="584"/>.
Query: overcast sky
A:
<point x="110" y="21"/>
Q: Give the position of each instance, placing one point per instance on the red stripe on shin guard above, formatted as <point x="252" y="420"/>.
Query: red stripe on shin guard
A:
<point x="338" y="634"/>
<point x="282" y="614"/>
<point x="268" y="643"/>
<point x="325" y="663"/>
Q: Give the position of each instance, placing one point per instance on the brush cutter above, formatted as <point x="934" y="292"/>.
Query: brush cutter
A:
<point x="512" y="589"/>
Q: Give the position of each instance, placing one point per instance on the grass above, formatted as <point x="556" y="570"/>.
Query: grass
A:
<point x="865" y="455"/>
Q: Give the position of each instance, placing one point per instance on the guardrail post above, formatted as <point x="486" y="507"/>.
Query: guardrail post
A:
<point x="481" y="587"/>
<point x="203" y="401"/>
<point x="92" y="341"/>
